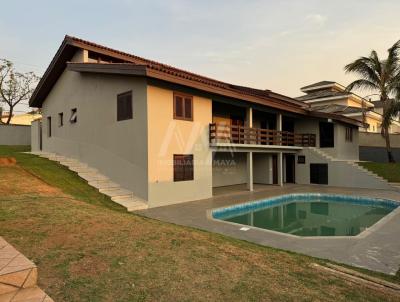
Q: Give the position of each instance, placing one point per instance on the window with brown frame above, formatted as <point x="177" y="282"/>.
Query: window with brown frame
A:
<point x="183" y="167"/>
<point x="349" y="134"/>
<point x="124" y="106"/>
<point x="183" y="107"/>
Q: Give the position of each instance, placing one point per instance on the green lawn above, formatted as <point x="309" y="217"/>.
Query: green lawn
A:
<point x="389" y="171"/>
<point x="89" y="249"/>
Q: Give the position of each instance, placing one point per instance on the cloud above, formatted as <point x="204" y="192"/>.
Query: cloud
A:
<point x="316" y="19"/>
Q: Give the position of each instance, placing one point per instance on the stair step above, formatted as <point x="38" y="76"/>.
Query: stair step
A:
<point x="83" y="169"/>
<point x="103" y="184"/>
<point x="116" y="192"/>
<point x="45" y="155"/>
<point x="131" y="204"/>
<point x="31" y="294"/>
<point x="70" y="163"/>
<point x="92" y="176"/>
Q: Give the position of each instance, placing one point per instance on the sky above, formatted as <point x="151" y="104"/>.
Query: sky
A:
<point x="277" y="45"/>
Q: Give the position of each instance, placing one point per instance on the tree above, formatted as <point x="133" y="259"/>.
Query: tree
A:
<point x="392" y="111"/>
<point x="381" y="76"/>
<point x="15" y="86"/>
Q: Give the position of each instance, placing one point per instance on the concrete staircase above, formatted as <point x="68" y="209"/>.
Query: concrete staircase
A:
<point x="356" y="168"/>
<point x="99" y="181"/>
<point x="18" y="277"/>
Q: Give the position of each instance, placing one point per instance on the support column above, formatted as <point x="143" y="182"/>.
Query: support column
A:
<point x="280" y="169"/>
<point x="250" y="171"/>
<point x="279" y="121"/>
<point x="249" y="117"/>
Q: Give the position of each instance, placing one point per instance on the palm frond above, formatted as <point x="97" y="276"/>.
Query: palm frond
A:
<point x="392" y="110"/>
<point x="362" y="84"/>
<point x="376" y="63"/>
<point x="365" y="68"/>
<point x="391" y="64"/>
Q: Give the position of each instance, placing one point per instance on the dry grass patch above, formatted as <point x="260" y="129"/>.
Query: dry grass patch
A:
<point x="89" y="252"/>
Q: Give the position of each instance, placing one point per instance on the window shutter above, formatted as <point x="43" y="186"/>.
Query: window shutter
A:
<point x="178" y="106"/>
<point x="183" y="167"/>
<point x="178" y="168"/>
<point x="188" y="108"/>
<point x="188" y="167"/>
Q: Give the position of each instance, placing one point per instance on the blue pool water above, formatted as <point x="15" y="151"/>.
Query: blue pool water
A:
<point x="310" y="214"/>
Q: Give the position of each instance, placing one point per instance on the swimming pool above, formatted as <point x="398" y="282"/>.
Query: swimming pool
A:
<point x="310" y="214"/>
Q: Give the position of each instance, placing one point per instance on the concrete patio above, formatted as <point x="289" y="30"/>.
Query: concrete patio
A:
<point x="377" y="250"/>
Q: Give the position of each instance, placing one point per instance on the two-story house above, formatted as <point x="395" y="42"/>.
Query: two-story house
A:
<point x="332" y="97"/>
<point x="170" y="135"/>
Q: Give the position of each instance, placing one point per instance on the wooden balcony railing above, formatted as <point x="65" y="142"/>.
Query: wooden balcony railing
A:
<point x="221" y="133"/>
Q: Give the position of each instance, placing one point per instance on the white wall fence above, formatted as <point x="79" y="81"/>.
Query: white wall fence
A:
<point x="15" y="135"/>
<point x="376" y="140"/>
<point x="373" y="147"/>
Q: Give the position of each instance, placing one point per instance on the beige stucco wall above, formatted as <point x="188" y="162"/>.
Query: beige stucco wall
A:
<point x="166" y="137"/>
<point x="117" y="149"/>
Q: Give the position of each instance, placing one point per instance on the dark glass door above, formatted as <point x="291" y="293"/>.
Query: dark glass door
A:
<point x="290" y="168"/>
<point x="326" y="135"/>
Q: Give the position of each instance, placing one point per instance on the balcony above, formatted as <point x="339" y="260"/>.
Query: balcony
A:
<point x="232" y="134"/>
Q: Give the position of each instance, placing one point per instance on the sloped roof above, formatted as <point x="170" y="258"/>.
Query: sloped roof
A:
<point x="321" y="83"/>
<point x="322" y="94"/>
<point x="71" y="44"/>
<point x="128" y="64"/>
<point x="337" y="109"/>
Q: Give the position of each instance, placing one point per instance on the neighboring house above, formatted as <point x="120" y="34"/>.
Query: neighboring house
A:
<point x="171" y="136"/>
<point x="332" y="97"/>
<point x="21" y="119"/>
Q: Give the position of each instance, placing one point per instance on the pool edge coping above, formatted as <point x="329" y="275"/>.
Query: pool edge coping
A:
<point x="368" y="231"/>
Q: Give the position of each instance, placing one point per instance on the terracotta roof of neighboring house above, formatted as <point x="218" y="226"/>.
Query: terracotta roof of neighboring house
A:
<point x="322" y="94"/>
<point x="321" y="83"/>
<point x="134" y="65"/>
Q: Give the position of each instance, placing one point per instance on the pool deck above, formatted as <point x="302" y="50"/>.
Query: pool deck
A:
<point x="378" y="248"/>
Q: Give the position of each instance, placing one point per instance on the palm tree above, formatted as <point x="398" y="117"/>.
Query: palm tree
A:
<point x="381" y="76"/>
<point x="392" y="111"/>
